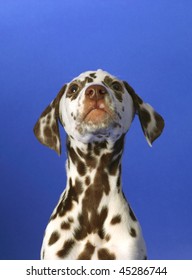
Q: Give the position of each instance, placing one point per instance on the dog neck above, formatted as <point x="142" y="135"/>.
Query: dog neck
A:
<point x="94" y="168"/>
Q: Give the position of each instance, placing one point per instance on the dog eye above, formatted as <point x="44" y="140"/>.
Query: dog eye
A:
<point x="117" y="86"/>
<point x="73" y="88"/>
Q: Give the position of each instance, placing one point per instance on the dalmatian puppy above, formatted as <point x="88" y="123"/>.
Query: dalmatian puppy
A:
<point x="93" y="219"/>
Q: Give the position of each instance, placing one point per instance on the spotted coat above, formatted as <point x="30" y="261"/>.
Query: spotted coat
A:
<point x="93" y="219"/>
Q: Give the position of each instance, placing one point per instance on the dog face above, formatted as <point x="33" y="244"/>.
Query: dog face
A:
<point x="96" y="106"/>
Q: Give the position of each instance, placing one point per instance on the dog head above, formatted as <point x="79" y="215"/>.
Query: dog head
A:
<point x="96" y="106"/>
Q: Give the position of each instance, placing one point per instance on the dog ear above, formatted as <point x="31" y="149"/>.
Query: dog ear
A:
<point x="46" y="128"/>
<point x="151" y="122"/>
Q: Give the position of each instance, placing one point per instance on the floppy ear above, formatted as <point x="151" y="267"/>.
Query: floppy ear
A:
<point x="47" y="127"/>
<point x="151" y="122"/>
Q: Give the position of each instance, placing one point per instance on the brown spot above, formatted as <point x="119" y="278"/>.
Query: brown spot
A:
<point x="66" y="203"/>
<point x="81" y="167"/>
<point x="87" y="253"/>
<point x="104" y="254"/>
<point x="47" y="111"/>
<point x="81" y="154"/>
<point x="55" y="128"/>
<point x="71" y="152"/>
<point x="90" y="161"/>
<point x="107" y="237"/>
<point x="50" y="142"/>
<point x="113" y="167"/>
<point x="133" y="232"/>
<point x="85" y="81"/>
<point x="108" y="81"/>
<point x="92" y="224"/>
<point x="81" y="232"/>
<point x="136" y="99"/>
<point x="70" y="219"/>
<point x="110" y="162"/>
<point x="119" y="95"/>
<point x="67" y="247"/>
<point x="145" y="117"/>
<point x="160" y="121"/>
<point x="48" y="119"/>
<point x="49" y="139"/>
<point x="65" y="225"/>
<point x="78" y="186"/>
<point x="118" y="146"/>
<point x="89" y="80"/>
<point x="37" y="130"/>
<point x="102" y="216"/>
<point x="47" y="131"/>
<point x="93" y="75"/>
<point x="89" y="158"/>
<point x="159" y="127"/>
<point x="87" y="181"/>
<point x="101" y="233"/>
<point x="53" y="238"/>
<point x="116" y="220"/>
<point x="98" y="147"/>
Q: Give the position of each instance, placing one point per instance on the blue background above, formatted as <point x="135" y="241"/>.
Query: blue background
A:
<point x="46" y="43"/>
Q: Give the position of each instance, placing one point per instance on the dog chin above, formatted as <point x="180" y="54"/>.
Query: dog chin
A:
<point x="89" y="132"/>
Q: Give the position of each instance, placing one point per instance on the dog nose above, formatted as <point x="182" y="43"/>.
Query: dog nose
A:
<point x="96" y="92"/>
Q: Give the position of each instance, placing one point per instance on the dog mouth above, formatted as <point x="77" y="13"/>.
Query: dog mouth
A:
<point x="97" y="118"/>
<point x="98" y="114"/>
